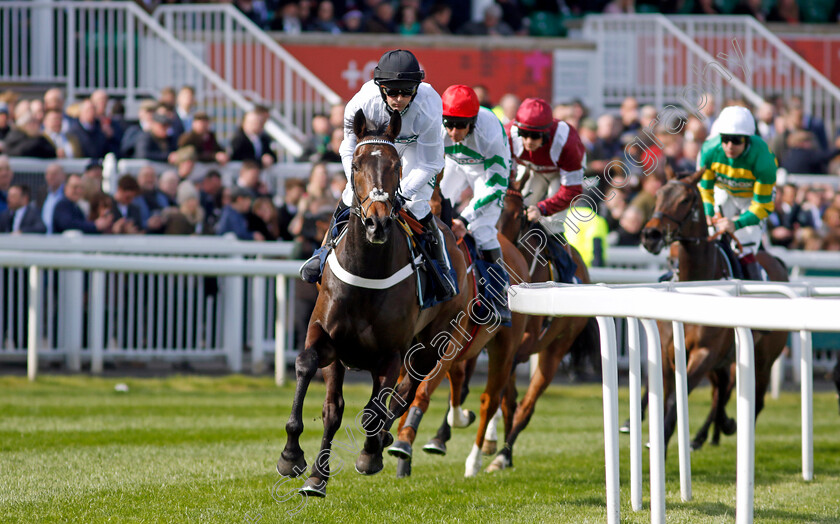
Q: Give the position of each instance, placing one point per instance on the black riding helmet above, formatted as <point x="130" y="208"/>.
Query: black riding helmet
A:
<point x="398" y="69"/>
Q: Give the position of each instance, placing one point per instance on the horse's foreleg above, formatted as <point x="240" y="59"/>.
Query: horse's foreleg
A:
<point x="437" y="444"/>
<point x="546" y="369"/>
<point x="458" y="417"/>
<point x="501" y="360"/>
<point x="332" y="414"/>
<point x="703" y="433"/>
<point x="291" y="462"/>
<point x="377" y="417"/>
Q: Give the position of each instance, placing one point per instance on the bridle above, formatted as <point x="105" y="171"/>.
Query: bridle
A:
<point x="376" y="195"/>
<point x="670" y="235"/>
<point x="523" y="216"/>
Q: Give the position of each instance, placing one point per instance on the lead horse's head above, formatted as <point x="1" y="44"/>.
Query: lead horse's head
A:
<point x="376" y="173"/>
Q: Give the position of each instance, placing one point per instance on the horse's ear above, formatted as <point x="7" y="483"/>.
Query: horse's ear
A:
<point x="394" y="126"/>
<point x="694" y="178"/>
<point x="359" y="124"/>
<point x="670" y="174"/>
<point x="519" y="178"/>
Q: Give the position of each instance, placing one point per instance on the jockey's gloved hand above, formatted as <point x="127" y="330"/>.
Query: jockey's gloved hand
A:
<point x="399" y="202"/>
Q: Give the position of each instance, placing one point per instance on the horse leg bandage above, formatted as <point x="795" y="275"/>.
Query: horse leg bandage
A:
<point x="415" y="415"/>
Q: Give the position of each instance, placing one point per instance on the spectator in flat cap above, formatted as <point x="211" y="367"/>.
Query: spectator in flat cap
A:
<point x="156" y="144"/>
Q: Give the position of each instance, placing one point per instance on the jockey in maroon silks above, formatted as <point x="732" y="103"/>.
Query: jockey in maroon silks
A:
<point x="551" y="149"/>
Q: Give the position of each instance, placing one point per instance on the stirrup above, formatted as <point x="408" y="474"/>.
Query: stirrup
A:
<point x="312" y="270"/>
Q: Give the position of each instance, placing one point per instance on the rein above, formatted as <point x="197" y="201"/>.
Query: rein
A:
<point x="680" y="222"/>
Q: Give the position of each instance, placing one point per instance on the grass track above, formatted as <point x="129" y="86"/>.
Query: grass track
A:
<point x="195" y="449"/>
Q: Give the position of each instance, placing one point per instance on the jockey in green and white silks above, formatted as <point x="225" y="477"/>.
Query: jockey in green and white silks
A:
<point x="739" y="177"/>
<point x="478" y="157"/>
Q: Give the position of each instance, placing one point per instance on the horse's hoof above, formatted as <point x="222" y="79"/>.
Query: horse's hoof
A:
<point x="729" y="427"/>
<point x="696" y="445"/>
<point x="489" y="447"/>
<point x="401" y="449"/>
<point x="314" y="487"/>
<point x="404" y="468"/>
<point x="293" y="467"/>
<point x="387" y="439"/>
<point x="435" y="446"/>
<point x="473" y="463"/>
<point x="625" y="428"/>
<point x="368" y="464"/>
<point x="499" y="463"/>
<point x="462" y="418"/>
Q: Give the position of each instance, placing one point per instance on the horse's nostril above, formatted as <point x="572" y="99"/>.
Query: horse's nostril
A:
<point x="370" y="223"/>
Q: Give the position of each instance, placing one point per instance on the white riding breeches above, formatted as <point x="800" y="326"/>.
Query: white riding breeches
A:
<point x="731" y="207"/>
<point x="536" y="189"/>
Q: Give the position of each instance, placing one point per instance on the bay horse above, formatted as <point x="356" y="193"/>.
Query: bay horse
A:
<point x="550" y="342"/>
<point x="473" y="333"/>
<point x="371" y="322"/>
<point x="679" y="218"/>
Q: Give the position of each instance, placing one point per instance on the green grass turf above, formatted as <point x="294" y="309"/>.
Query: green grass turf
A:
<point x="193" y="449"/>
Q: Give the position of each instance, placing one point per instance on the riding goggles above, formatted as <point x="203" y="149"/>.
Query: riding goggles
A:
<point x="733" y="139"/>
<point x="534" y="135"/>
<point x="394" y="92"/>
<point x="455" y="122"/>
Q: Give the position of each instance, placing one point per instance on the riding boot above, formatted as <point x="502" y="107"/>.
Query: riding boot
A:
<point x="439" y="252"/>
<point x="499" y="287"/>
<point x="752" y="269"/>
<point x="311" y="270"/>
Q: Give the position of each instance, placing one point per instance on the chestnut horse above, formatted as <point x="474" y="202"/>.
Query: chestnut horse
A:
<point x="679" y="217"/>
<point x="551" y="342"/>
<point x="473" y="333"/>
<point x="370" y="322"/>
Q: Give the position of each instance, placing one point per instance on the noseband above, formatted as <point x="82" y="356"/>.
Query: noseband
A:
<point x="679" y="222"/>
<point x="376" y="195"/>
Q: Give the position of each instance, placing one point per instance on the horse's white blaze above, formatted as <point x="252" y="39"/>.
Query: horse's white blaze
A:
<point x="377" y="195"/>
<point x="458" y="417"/>
<point x="376" y="153"/>
<point x="473" y="464"/>
<point x="490" y="434"/>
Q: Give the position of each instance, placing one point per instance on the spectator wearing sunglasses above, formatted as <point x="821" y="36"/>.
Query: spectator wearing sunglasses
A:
<point x="738" y="181"/>
<point x="398" y="85"/>
<point x="478" y="157"/>
<point x="553" y="152"/>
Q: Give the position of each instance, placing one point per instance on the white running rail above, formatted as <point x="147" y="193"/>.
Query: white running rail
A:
<point x="118" y="47"/>
<point x="252" y="62"/>
<point x="650" y="58"/>
<point x="776" y="69"/>
<point x="685" y="303"/>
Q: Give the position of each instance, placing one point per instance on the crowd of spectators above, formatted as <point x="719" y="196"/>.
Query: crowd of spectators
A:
<point x="175" y="199"/>
<point x="502" y="17"/>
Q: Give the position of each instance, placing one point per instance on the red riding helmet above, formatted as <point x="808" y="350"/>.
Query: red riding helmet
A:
<point x="534" y="115"/>
<point x="460" y="101"/>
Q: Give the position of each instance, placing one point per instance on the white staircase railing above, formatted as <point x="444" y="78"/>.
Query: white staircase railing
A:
<point x="252" y="62"/>
<point x="775" y="68"/>
<point x="650" y="58"/>
<point x="118" y="47"/>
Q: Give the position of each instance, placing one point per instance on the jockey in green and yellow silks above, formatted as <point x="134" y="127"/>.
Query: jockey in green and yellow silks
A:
<point x="738" y="181"/>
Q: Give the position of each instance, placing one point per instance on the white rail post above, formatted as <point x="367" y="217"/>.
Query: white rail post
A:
<point x="745" y="376"/>
<point x="682" y="410"/>
<point x="71" y="316"/>
<point x="233" y="320"/>
<point x="807" y="385"/>
<point x="777" y="374"/>
<point x="609" y="370"/>
<point x="257" y="324"/>
<point x="96" y="310"/>
<point x="34" y="322"/>
<point x="635" y="349"/>
<point x="280" y="330"/>
<point x="656" y="422"/>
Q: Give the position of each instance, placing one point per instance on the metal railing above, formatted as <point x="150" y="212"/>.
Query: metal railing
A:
<point x="252" y="62"/>
<point x="775" y="68"/>
<point x="683" y="303"/>
<point x="648" y="57"/>
<point x="118" y="47"/>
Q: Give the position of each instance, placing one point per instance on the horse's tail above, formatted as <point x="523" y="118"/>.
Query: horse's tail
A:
<point x="587" y="345"/>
